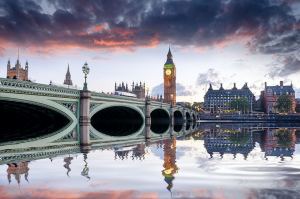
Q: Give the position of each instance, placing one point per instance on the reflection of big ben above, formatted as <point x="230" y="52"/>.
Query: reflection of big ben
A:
<point x="170" y="167"/>
<point x="170" y="80"/>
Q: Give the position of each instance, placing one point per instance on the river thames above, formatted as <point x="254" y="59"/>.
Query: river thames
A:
<point x="212" y="161"/>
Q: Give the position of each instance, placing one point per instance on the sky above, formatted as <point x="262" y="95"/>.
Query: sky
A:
<point x="215" y="41"/>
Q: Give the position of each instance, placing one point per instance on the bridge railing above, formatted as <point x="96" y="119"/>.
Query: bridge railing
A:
<point x="127" y="98"/>
<point x="12" y="85"/>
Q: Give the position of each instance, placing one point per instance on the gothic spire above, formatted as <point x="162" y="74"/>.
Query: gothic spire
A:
<point x="68" y="80"/>
<point x="169" y="56"/>
<point x="68" y="71"/>
<point x="8" y="64"/>
<point x="169" y="63"/>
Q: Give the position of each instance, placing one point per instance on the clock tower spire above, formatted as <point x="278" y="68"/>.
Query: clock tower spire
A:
<point x="169" y="80"/>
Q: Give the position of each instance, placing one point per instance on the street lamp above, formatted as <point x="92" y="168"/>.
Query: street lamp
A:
<point x="85" y="70"/>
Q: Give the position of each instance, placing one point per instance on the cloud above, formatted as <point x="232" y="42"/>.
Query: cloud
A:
<point x="180" y="90"/>
<point x="290" y="65"/>
<point x="129" y="24"/>
<point x="209" y="77"/>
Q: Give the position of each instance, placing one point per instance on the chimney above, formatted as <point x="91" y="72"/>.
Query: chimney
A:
<point x="281" y="83"/>
<point x="265" y="84"/>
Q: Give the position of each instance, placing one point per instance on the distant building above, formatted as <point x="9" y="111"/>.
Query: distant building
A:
<point x="219" y="100"/>
<point x="271" y="93"/>
<point x="68" y="80"/>
<point x="137" y="89"/>
<point x="17" y="72"/>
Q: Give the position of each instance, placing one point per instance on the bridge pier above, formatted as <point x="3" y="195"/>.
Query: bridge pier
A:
<point x="171" y="119"/>
<point x="84" y="119"/>
<point x="184" y="115"/>
<point x="147" y="118"/>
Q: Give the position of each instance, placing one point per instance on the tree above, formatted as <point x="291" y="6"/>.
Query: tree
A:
<point x="283" y="104"/>
<point x="197" y="106"/>
<point x="240" y="104"/>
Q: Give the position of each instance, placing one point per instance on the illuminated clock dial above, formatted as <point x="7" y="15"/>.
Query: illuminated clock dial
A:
<point x="168" y="72"/>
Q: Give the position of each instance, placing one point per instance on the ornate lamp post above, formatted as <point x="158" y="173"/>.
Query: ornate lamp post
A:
<point x="85" y="70"/>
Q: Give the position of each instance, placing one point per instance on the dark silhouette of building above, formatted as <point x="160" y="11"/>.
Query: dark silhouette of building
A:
<point x="17" y="72"/>
<point x="169" y="80"/>
<point x="219" y="100"/>
<point x="68" y="80"/>
<point x="137" y="90"/>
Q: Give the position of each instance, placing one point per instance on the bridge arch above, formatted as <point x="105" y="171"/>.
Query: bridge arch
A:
<point x="188" y="116"/>
<point x="116" y="120"/>
<point x="44" y="106"/>
<point x="194" y="117"/>
<point x="160" y="120"/>
<point x="178" y="120"/>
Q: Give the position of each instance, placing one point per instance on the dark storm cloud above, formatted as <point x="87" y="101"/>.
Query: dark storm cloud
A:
<point x="180" y="90"/>
<point x="126" y="23"/>
<point x="291" y="65"/>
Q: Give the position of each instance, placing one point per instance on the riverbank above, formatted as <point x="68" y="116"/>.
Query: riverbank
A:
<point x="249" y="118"/>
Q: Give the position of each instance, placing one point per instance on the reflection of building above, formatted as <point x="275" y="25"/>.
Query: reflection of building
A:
<point x="271" y="93"/>
<point x="17" y="170"/>
<point x="17" y="72"/>
<point x="229" y="141"/>
<point x="137" y="152"/>
<point x="279" y="142"/>
<point x="68" y="80"/>
<point x="170" y="80"/>
<point x="219" y="100"/>
<point x="137" y="89"/>
<point x="170" y="167"/>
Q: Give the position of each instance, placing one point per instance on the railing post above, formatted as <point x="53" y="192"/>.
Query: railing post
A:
<point x="84" y="118"/>
<point x="147" y="117"/>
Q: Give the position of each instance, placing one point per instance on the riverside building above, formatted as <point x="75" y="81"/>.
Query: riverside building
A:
<point x="218" y="101"/>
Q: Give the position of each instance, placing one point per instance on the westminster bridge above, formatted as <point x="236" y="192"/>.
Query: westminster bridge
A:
<point x="91" y="117"/>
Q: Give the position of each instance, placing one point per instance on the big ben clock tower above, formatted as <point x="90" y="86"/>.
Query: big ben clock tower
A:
<point x="170" y="80"/>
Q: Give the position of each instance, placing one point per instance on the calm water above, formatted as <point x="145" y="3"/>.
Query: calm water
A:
<point x="216" y="161"/>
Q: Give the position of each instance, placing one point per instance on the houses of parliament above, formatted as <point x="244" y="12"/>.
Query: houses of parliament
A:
<point x="17" y="72"/>
<point x="139" y="90"/>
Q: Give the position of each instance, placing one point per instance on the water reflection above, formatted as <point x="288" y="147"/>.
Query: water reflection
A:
<point x="170" y="167"/>
<point x="134" y="152"/>
<point x="279" y="142"/>
<point x="67" y="164"/>
<point x="17" y="170"/>
<point x="246" y="161"/>
<point x="231" y="141"/>
<point x="85" y="170"/>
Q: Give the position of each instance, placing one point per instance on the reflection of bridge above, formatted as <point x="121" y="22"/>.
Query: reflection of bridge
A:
<point x="94" y="112"/>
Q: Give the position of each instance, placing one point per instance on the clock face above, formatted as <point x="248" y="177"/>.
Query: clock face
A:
<point x="168" y="72"/>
